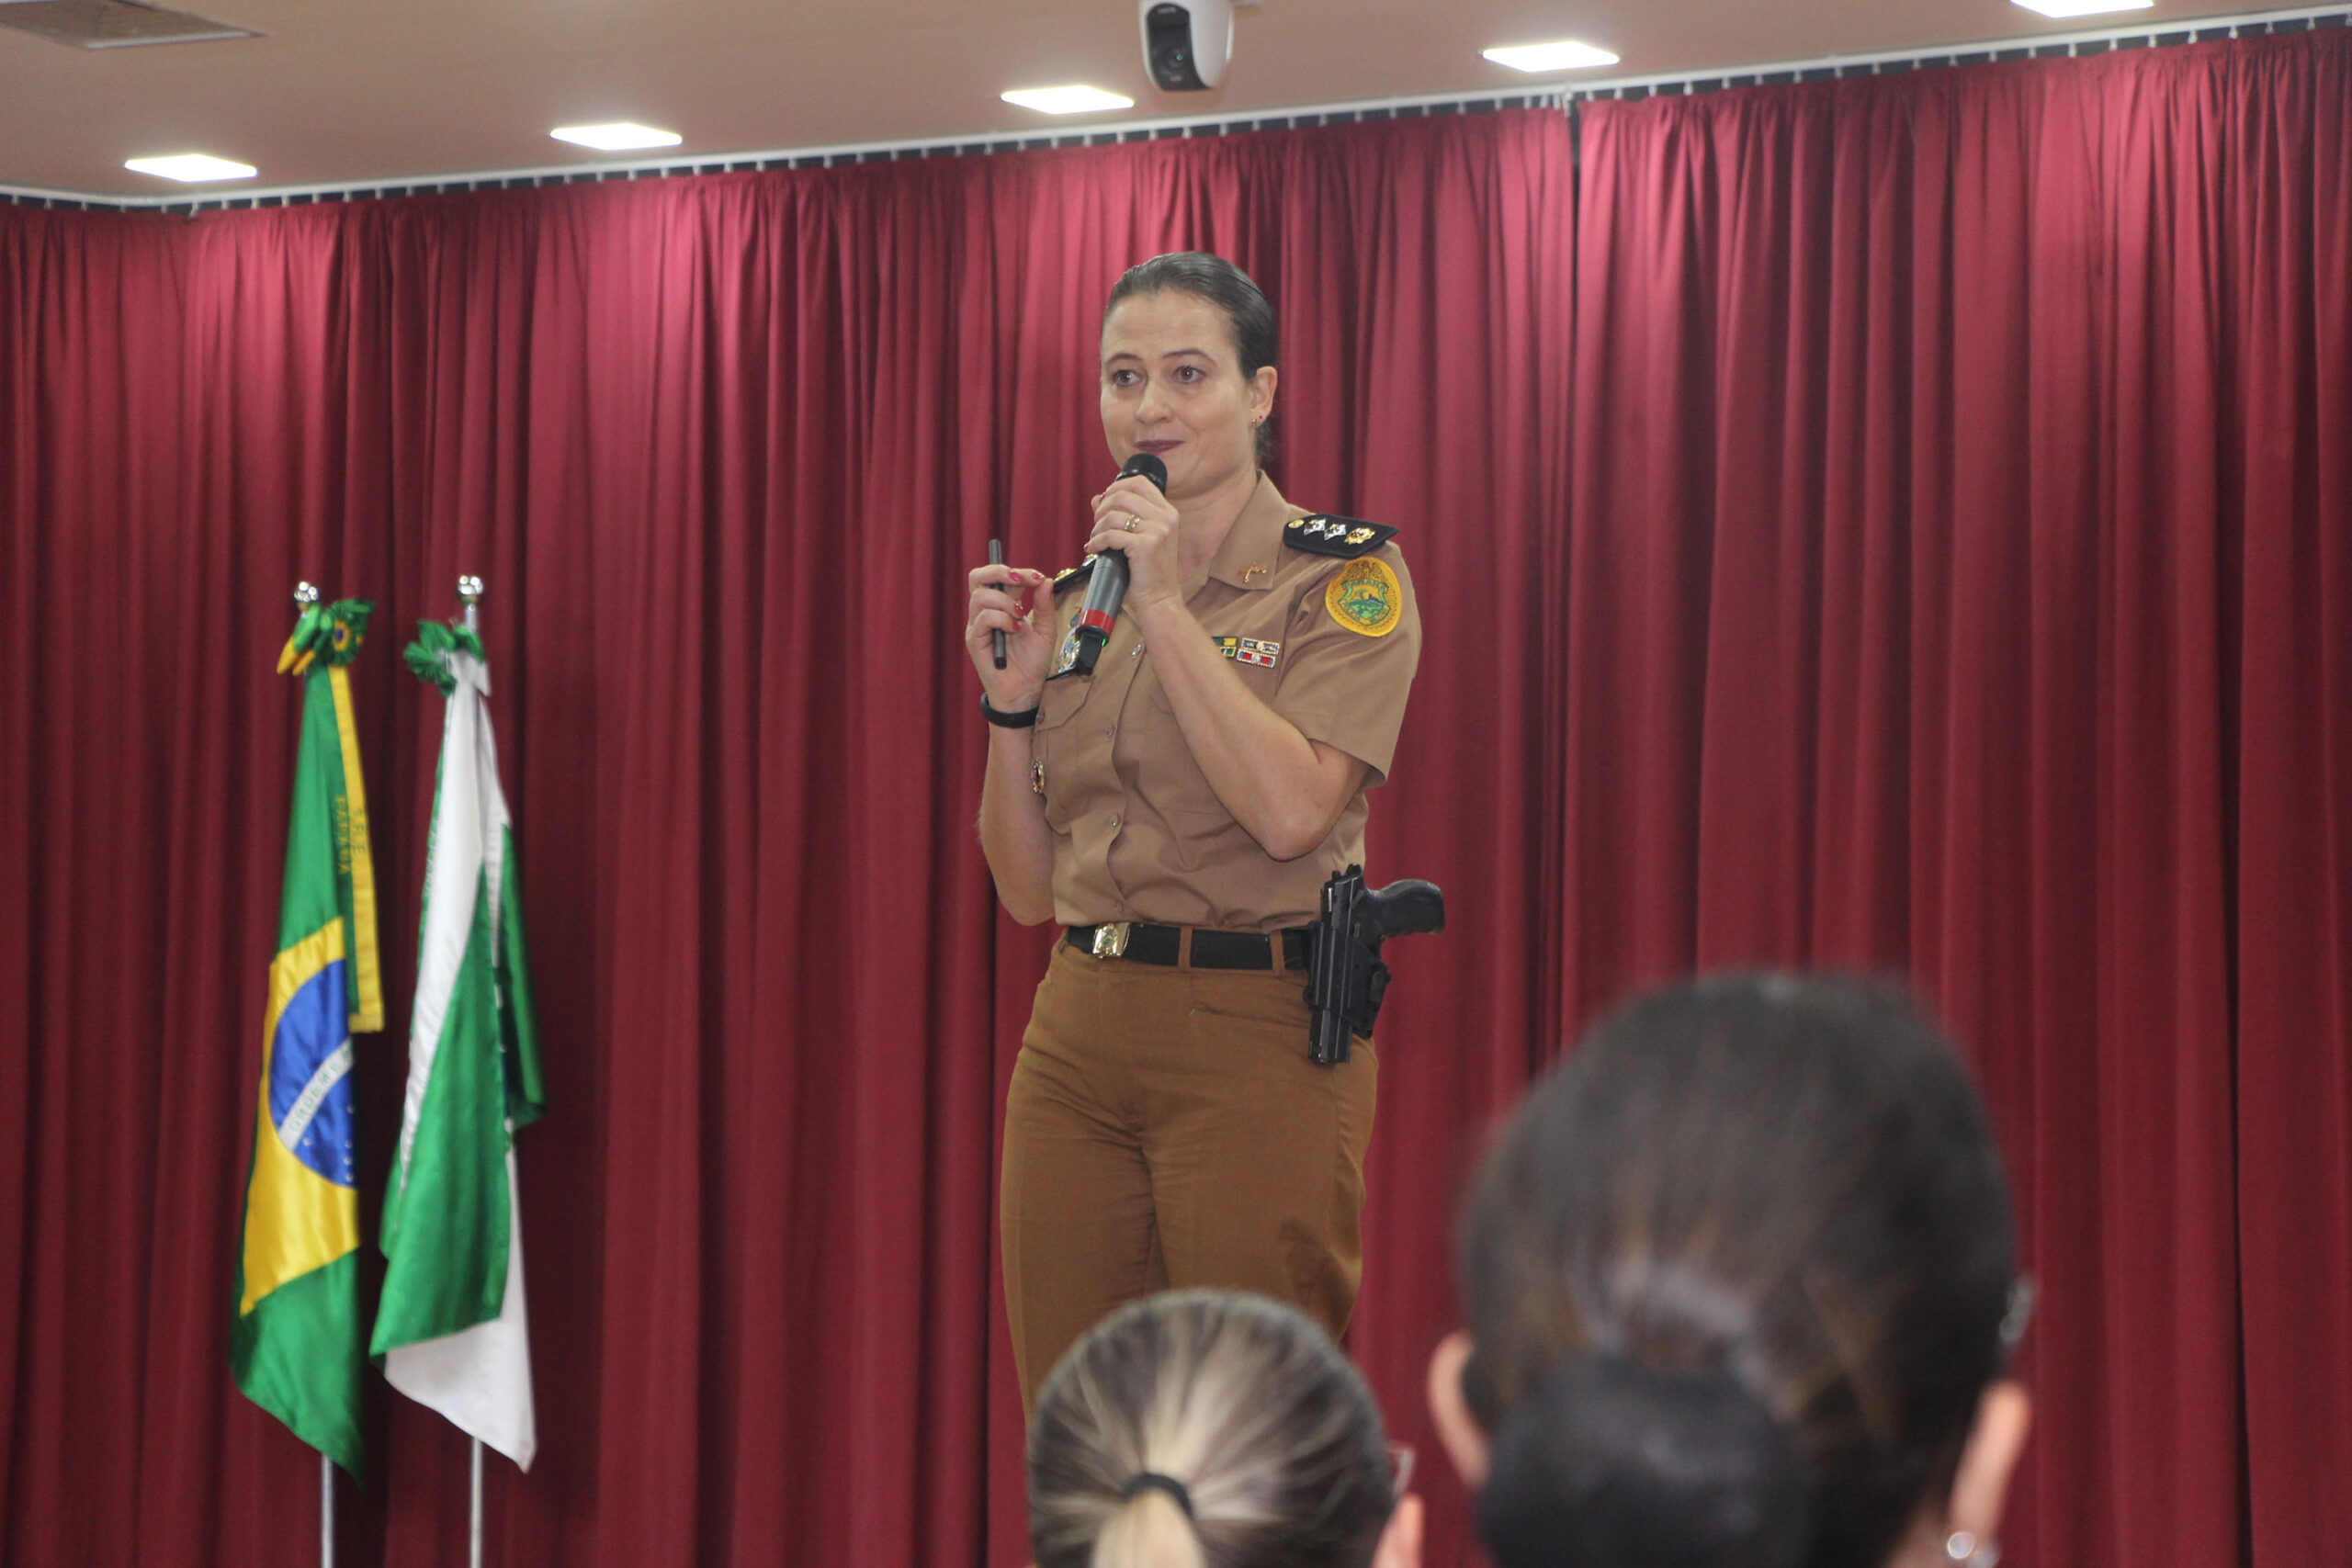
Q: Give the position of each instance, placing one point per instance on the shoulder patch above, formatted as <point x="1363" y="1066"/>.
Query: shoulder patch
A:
<point x="1365" y="597"/>
<point x="1346" y="538"/>
<point x="1074" y="576"/>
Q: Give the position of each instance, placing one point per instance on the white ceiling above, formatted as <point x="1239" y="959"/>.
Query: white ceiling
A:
<point x="394" y="90"/>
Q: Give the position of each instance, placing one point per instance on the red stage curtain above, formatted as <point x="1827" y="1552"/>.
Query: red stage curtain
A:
<point x="1898" y="522"/>
<point x="1959" y="586"/>
<point x="723" y="449"/>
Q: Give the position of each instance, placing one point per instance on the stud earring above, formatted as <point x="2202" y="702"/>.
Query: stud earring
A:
<point x="1962" y="1548"/>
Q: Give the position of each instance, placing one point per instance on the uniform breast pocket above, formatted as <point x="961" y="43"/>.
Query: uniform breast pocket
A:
<point x="1256" y="660"/>
<point x="1054" y="745"/>
<point x="1060" y="701"/>
<point x="1200" y="828"/>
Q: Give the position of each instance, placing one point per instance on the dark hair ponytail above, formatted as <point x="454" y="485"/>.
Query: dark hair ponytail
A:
<point x="1735" y="1277"/>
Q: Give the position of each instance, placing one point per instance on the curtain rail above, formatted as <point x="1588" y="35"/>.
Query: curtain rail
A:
<point x="2205" y="29"/>
<point x="2196" y="30"/>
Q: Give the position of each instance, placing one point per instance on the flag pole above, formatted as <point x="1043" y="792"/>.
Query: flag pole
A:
<point x="469" y="596"/>
<point x="306" y="595"/>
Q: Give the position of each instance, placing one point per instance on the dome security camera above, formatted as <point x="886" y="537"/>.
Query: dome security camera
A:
<point x="1186" y="43"/>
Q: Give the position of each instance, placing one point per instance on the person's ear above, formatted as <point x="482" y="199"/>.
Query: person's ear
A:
<point x="1980" y="1488"/>
<point x="1261" y="394"/>
<point x="1400" y="1543"/>
<point x="1465" y="1440"/>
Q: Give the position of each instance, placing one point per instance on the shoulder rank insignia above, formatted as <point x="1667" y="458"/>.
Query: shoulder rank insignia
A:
<point x="1074" y="576"/>
<point x="1346" y="538"/>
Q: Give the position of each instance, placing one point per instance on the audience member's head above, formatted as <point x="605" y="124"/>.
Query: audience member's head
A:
<point x="1212" y="1430"/>
<point x="1739" y="1282"/>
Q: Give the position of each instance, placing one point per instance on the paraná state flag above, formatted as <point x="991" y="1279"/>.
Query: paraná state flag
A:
<point x="450" y="1327"/>
<point x="296" y="1346"/>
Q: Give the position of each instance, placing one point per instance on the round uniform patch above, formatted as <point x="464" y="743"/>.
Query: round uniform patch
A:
<point x="1366" y="597"/>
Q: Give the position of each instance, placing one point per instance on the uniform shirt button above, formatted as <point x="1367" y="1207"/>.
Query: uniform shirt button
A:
<point x="1136" y="653"/>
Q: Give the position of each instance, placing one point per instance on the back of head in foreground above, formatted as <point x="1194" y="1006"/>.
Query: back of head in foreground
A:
<point x="1213" y="1430"/>
<point x="1739" y="1281"/>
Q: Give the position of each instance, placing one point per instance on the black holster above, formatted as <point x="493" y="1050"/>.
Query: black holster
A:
<point x="1345" y="979"/>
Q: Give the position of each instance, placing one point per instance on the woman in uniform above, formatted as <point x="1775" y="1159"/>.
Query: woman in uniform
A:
<point x="1178" y="809"/>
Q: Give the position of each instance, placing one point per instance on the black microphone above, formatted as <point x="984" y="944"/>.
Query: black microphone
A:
<point x="1108" y="585"/>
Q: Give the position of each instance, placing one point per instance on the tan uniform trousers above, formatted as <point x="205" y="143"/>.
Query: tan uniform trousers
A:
<point x="1166" y="1129"/>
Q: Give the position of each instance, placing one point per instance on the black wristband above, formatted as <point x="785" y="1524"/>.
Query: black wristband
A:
<point x="1021" y="720"/>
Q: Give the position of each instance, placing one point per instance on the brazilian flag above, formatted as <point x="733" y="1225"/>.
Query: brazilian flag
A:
<point x="299" y="1344"/>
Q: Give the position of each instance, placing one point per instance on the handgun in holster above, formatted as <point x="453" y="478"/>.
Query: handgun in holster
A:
<point x="1345" y="976"/>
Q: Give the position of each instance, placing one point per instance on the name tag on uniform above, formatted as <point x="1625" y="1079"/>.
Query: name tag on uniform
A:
<point x="1066" y="656"/>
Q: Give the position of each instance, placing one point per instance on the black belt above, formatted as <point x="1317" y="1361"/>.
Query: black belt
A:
<point x="1211" y="949"/>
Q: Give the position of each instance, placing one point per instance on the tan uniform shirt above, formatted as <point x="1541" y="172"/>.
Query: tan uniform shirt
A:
<point x="1138" y="835"/>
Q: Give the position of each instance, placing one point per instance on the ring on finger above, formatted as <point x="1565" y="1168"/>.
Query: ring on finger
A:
<point x="1133" y="523"/>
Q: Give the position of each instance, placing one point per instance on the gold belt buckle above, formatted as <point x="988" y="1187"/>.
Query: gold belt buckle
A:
<point x="1111" y="939"/>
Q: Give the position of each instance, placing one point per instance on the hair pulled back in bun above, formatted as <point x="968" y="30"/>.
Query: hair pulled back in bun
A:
<point x="1611" y="1461"/>
<point x="1735" y="1279"/>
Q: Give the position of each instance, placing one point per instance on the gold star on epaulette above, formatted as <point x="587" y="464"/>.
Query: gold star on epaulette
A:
<point x="1346" y="538"/>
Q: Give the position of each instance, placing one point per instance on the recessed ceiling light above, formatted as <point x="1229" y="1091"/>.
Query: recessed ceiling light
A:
<point x="192" y="167"/>
<point x="622" y="136"/>
<point x="1565" y="55"/>
<point x="1067" y="100"/>
<point x="2082" y="7"/>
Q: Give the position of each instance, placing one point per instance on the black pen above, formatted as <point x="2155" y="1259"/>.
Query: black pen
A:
<point x="995" y="637"/>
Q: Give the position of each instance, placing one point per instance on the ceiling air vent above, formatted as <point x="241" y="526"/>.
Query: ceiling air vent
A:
<point x="111" y="24"/>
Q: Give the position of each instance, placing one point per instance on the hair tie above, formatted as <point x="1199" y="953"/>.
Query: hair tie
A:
<point x="1152" y="1480"/>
